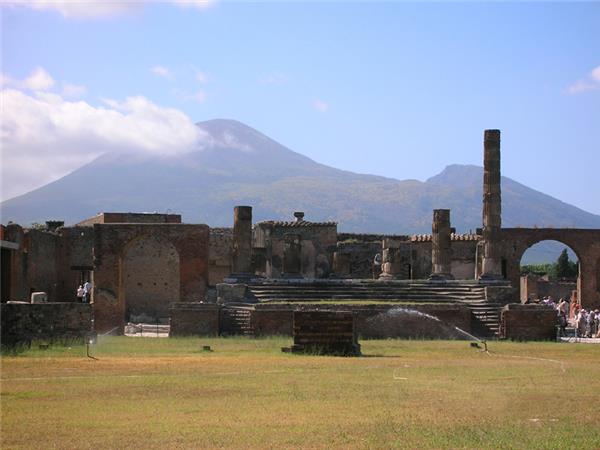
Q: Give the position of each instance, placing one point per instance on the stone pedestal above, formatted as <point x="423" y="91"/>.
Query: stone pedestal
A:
<point x="242" y="242"/>
<point x="441" y="253"/>
<point x="396" y="260"/>
<point x="492" y="262"/>
<point x="325" y="333"/>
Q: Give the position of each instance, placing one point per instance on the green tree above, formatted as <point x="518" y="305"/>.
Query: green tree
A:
<point x="564" y="267"/>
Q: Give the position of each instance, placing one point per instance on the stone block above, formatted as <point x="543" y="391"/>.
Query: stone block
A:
<point x="528" y="322"/>
<point x="231" y="292"/>
<point x="39" y="297"/>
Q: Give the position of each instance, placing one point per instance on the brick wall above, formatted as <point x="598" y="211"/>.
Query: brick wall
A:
<point x="325" y="332"/>
<point x="528" y="322"/>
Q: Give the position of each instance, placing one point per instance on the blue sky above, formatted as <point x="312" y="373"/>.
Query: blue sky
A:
<point x="395" y="89"/>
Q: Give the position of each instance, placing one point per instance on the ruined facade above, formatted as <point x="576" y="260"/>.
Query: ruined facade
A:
<point x="140" y="264"/>
<point x="297" y="248"/>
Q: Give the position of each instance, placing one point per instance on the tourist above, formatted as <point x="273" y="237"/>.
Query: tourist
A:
<point x="590" y="324"/>
<point x="580" y="322"/>
<point x="87" y="291"/>
<point x="562" y="322"/>
<point x="563" y="307"/>
<point x="80" y="294"/>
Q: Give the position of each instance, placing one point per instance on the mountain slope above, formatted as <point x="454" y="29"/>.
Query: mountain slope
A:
<point x="243" y="166"/>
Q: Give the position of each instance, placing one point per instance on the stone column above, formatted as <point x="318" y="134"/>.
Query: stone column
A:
<point x="441" y="256"/>
<point x="242" y="240"/>
<point x="492" y="262"/>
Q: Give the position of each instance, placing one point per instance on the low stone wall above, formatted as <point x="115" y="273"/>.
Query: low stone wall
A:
<point x="528" y="322"/>
<point x="24" y="322"/>
<point x="272" y="322"/>
<point x="194" y="319"/>
<point x="375" y="321"/>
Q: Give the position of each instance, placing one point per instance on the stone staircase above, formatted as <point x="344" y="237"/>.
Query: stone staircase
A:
<point x="386" y="291"/>
<point x="486" y="316"/>
<point x="235" y="319"/>
<point x="485" y="321"/>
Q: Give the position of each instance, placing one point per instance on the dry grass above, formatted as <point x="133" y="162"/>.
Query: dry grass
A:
<point x="165" y="393"/>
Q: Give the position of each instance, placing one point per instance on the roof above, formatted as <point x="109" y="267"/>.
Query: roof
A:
<point x="453" y="237"/>
<point x="296" y="224"/>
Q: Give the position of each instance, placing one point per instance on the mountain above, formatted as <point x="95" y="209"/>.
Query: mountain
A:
<point x="241" y="166"/>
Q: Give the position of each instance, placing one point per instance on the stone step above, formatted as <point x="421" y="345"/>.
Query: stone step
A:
<point x="287" y="290"/>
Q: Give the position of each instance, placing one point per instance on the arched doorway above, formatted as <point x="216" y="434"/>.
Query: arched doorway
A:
<point x="150" y="278"/>
<point x="549" y="268"/>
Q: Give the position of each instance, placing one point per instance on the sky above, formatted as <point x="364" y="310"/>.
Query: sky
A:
<point x="395" y="89"/>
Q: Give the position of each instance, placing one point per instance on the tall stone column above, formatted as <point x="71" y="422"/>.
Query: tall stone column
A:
<point x="492" y="262"/>
<point x="441" y="256"/>
<point x="242" y="240"/>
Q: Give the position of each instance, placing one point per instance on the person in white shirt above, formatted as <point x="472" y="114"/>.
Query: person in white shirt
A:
<point x="87" y="291"/>
<point x="80" y="294"/>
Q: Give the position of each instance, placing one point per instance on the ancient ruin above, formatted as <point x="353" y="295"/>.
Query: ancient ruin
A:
<point x="252" y="278"/>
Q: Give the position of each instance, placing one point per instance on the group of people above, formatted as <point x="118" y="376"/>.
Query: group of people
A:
<point x="587" y="323"/>
<point x="84" y="292"/>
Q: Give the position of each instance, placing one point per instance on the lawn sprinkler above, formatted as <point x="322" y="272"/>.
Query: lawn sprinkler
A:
<point x="90" y="339"/>
<point x="476" y="345"/>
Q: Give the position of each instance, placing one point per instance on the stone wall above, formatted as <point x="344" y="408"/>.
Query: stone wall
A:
<point x="48" y="261"/>
<point x="375" y="321"/>
<point x="111" y="250"/>
<point x="462" y="258"/>
<point x="22" y="322"/>
<point x="355" y="259"/>
<point x="272" y="321"/>
<point x="194" y="319"/>
<point x="528" y="322"/>
<point x="533" y="287"/>
<point x="317" y="245"/>
<point x="109" y="217"/>
<point x="219" y="260"/>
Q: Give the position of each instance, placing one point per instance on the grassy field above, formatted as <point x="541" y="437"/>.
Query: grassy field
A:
<point x="167" y="393"/>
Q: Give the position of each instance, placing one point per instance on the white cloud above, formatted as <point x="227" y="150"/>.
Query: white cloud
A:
<point x="83" y="9"/>
<point x="92" y="9"/>
<point x="320" y="105"/>
<point x="43" y="136"/>
<point x="73" y="90"/>
<point x="161" y="71"/>
<point x="274" y="78"/>
<point x="595" y="74"/>
<point x="201" y="77"/>
<point x="39" y="80"/>
<point x="200" y="96"/>
<point x="199" y="4"/>
<point x="590" y="83"/>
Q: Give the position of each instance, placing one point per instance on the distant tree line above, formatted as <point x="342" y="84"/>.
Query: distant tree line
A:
<point x="563" y="268"/>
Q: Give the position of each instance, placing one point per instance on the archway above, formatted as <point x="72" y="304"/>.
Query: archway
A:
<point x="549" y="268"/>
<point x="150" y="278"/>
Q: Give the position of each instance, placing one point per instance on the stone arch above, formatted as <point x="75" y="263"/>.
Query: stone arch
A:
<point x="584" y="243"/>
<point x="149" y="277"/>
<point x="558" y="288"/>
